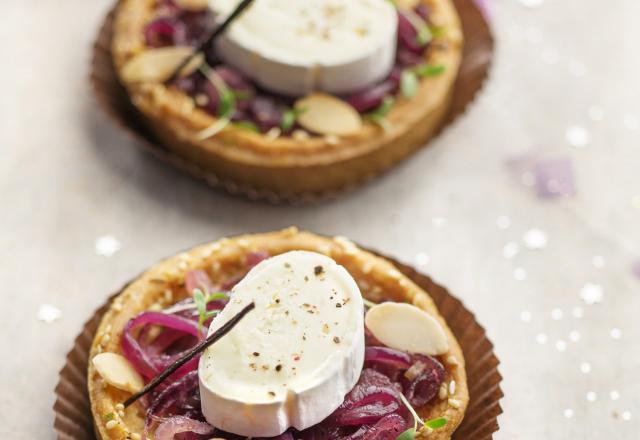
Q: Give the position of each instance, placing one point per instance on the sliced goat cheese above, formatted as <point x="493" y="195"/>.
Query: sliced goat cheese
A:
<point x="291" y="361"/>
<point x="297" y="47"/>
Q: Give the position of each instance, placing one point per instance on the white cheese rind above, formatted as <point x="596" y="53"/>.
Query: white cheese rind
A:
<point x="291" y="361"/>
<point x="295" y="48"/>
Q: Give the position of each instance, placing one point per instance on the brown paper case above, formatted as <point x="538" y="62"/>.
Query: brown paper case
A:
<point x="73" y="419"/>
<point x="113" y="98"/>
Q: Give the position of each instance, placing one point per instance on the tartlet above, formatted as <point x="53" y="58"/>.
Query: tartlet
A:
<point x="296" y="163"/>
<point x="163" y="285"/>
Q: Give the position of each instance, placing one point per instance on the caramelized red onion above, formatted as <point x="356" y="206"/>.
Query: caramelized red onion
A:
<point x="388" y="356"/>
<point x="179" y="396"/>
<point x="180" y="424"/>
<point x="425" y="386"/>
<point x="165" y="31"/>
<point x="198" y="279"/>
<point x="148" y="363"/>
<point x="408" y="35"/>
<point x="387" y="428"/>
<point x="254" y="258"/>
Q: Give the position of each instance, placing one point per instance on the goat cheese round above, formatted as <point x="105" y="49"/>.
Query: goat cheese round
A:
<point x="291" y="361"/>
<point x="296" y="47"/>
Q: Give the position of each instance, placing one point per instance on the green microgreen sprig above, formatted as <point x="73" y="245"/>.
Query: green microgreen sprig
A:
<point x="378" y="115"/>
<point x="289" y="118"/>
<point x="226" y="107"/>
<point x="201" y="300"/>
<point x="409" y="83"/>
<point x="410" y="78"/>
<point x="410" y="433"/>
<point x="247" y="126"/>
<point x="424" y="34"/>
<point x="426" y="70"/>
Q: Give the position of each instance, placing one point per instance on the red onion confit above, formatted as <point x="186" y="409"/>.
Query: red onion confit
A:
<point x="254" y="258"/>
<point x="372" y="97"/>
<point x="425" y="386"/>
<point x="251" y="260"/>
<point x="198" y="279"/>
<point x="387" y="428"/>
<point x="388" y="356"/>
<point x="408" y="35"/>
<point x="144" y="361"/>
<point x="373" y="397"/>
<point x="165" y="31"/>
<point x="171" y="398"/>
<point x="179" y="424"/>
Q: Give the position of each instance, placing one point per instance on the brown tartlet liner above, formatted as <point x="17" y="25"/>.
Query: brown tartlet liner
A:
<point x="113" y="98"/>
<point x="73" y="419"/>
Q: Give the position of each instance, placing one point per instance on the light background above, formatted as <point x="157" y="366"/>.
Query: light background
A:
<point x="68" y="176"/>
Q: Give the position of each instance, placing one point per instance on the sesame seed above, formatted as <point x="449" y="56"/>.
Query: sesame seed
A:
<point x="300" y="135"/>
<point x="455" y="403"/>
<point x="119" y="407"/>
<point x="111" y="424"/>
<point x="201" y="99"/>
<point x="273" y="134"/>
<point x="452" y="387"/>
<point x="442" y="392"/>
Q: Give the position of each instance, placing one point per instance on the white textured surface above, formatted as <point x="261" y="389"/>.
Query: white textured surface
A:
<point x="68" y="177"/>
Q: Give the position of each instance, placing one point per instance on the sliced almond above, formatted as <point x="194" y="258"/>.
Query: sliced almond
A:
<point x="325" y="114"/>
<point x="192" y="5"/>
<point x="157" y="65"/>
<point x="117" y="371"/>
<point x="407" y="328"/>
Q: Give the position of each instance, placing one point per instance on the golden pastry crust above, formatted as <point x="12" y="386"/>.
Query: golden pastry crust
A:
<point x="291" y="166"/>
<point x="163" y="285"/>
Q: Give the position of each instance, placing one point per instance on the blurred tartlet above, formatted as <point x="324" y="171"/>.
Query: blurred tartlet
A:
<point x="253" y="119"/>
